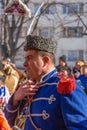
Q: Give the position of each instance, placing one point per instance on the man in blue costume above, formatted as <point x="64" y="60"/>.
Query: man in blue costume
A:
<point x="54" y="101"/>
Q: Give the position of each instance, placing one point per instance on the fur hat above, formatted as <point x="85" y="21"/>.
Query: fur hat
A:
<point x="39" y="43"/>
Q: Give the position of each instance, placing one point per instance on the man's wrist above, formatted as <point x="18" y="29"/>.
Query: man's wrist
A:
<point x="14" y="100"/>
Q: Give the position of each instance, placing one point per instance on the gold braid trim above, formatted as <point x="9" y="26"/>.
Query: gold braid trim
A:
<point x="11" y="111"/>
<point x="19" y="122"/>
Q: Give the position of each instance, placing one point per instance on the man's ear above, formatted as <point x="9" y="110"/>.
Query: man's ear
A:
<point x="46" y="60"/>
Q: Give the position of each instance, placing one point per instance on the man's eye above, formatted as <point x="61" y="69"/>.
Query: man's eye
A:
<point x="28" y="58"/>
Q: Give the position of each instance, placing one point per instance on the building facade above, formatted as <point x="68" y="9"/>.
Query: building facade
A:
<point x="66" y="22"/>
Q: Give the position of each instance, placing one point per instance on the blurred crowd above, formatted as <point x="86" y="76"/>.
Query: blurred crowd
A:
<point x="11" y="77"/>
<point x="79" y="70"/>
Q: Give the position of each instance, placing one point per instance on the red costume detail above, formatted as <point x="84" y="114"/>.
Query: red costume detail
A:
<point x="15" y="7"/>
<point x="3" y="122"/>
<point x="66" y="84"/>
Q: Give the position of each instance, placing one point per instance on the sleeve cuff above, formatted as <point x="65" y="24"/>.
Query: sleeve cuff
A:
<point x="12" y="108"/>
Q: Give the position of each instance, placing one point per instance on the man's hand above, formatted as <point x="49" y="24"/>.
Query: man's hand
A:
<point x="27" y="89"/>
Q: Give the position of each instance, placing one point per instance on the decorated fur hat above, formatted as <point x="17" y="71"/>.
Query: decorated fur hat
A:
<point x="39" y="43"/>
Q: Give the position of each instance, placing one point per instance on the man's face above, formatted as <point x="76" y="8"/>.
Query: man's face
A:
<point x="62" y="63"/>
<point x="77" y="65"/>
<point x="34" y="64"/>
<point x="85" y="70"/>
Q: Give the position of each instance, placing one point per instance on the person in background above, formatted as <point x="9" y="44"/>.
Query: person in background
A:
<point x="14" y="76"/>
<point x="82" y="79"/>
<point x="63" y="63"/>
<point x="64" y="69"/>
<point x="54" y="102"/>
<point x="4" y="93"/>
<point x="77" y="70"/>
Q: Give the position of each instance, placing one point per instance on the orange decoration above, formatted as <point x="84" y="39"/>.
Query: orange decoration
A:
<point x="3" y="122"/>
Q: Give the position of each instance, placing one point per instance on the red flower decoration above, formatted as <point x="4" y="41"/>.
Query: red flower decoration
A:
<point x="66" y="85"/>
<point x="18" y="7"/>
<point x="15" y="7"/>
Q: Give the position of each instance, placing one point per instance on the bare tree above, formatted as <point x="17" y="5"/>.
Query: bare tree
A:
<point x="16" y="23"/>
<point x="62" y="21"/>
<point x="12" y="25"/>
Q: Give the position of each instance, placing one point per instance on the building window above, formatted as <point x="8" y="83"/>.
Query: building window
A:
<point x="49" y="10"/>
<point x="36" y="6"/>
<point x="1" y="8"/>
<point x="46" y="32"/>
<point x="74" y="55"/>
<point x="73" y="31"/>
<point x="73" y="8"/>
<point x="0" y="4"/>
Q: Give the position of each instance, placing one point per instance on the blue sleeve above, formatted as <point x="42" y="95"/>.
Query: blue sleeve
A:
<point x="11" y="112"/>
<point x="74" y="109"/>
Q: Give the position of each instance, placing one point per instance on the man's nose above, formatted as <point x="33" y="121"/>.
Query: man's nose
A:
<point x="25" y="64"/>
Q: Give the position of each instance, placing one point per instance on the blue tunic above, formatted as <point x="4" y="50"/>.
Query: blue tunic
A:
<point x="50" y="110"/>
<point x="83" y="80"/>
